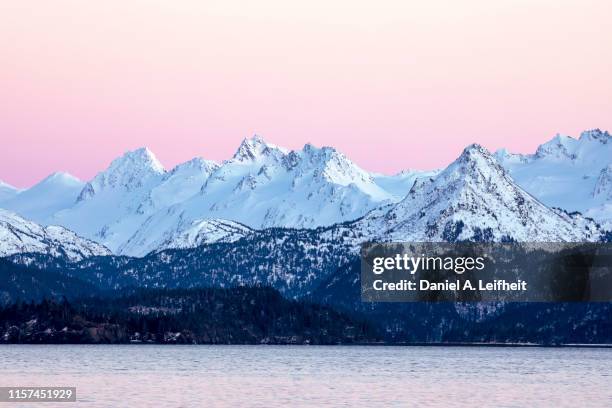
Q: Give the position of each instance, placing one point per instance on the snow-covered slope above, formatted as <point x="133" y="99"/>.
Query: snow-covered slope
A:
<point x="265" y="186"/>
<point x="473" y="199"/>
<point x="399" y="184"/>
<point x="185" y="234"/>
<point x="7" y="191"/>
<point x="566" y="172"/>
<point x="39" y="202"/>
<point x="115" y="203"/>
<point x="18" y="235"/>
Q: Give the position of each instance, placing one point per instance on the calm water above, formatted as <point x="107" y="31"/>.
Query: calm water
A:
<point x="271" y="376"/>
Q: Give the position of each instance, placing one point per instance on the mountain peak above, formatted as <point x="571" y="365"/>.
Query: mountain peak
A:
<point x="475" y="169"/>
<point x="473" y="199"/>
<point x="595" y="134"/>
<point x="128" y="171"/>
<point x="61" y="177"/>
<point x="559" y="147"/>
<point x="141" y="157"/>
<point x="476" y="158"/>
<point x="334" y="166"/>
<point x="474" y="149"/>
<point x="251" y="149"/>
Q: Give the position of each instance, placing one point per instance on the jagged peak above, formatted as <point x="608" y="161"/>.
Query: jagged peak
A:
<point x="128" y="171"/>
<point x="474" y="199"/>
<point x="324" y="150"/>
<point x="562" y="146"/>
<point x="333" y="165"/>
<point x="475" y="166"/>
<point x="324" y="154"/>
<point x="139" y="157"/>
<point x="595" y="134"/>
<point x="479" y="155"/>
<point x="558" y="146"/>
<point x="254" y="148"/>
<point x="475" y="148"/>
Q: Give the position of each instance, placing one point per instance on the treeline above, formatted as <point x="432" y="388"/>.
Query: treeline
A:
<point x="243" y="315"/>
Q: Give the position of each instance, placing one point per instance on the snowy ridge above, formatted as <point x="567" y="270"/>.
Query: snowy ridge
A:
<point x="138" y="206"/>
<point x="564" y="172"/>
<point x="18" y="235"/>
<point x="473" y="199"/>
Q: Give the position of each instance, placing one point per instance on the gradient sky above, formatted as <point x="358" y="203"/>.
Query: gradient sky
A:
<point x="392" y="84"/>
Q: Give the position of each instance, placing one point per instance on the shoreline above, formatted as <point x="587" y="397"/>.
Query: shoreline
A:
<point x="484" y="345"/>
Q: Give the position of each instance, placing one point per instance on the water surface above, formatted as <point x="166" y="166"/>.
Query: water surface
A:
<point x="271" y="376"/>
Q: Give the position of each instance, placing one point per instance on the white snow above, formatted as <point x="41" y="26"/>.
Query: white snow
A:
<point x="565" y="173"/>
<point x="136" y="206"/>
<point x="185" y="234"/>
<point x="18" y="235"/>
<point x="476" y="193"/>
<point x="56" y="192"/>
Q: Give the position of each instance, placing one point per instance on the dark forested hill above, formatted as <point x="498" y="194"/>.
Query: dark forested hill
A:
<point x="247" y="315"/>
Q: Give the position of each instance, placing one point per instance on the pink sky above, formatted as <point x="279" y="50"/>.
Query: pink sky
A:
<point x="392" y="84"/>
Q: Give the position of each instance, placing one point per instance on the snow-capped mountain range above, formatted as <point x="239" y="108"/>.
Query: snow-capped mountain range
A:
<point x="135" y="206"/>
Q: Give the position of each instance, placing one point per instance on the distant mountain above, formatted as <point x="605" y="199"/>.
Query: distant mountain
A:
<point x="18" y="235"/>
<point x="135" y="206"/>
<point x="39" y="202"/>
<point x="567" y="173"/>
<point x="266" y="186"/>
